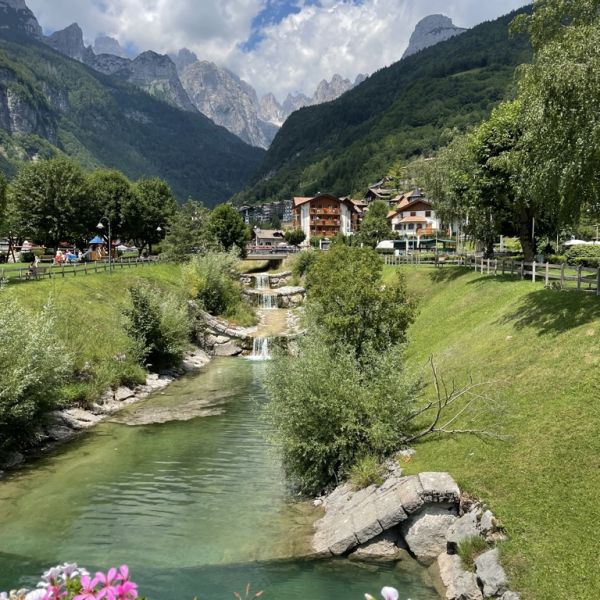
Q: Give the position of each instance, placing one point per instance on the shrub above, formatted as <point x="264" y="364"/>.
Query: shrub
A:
<point x="27" y="256"/>
<point x="366" y="471"/>
<point x="327" y="413"/>
<point x="159" y="325"/>
<point x="34" y="363"/>
<point x="302" y="262"/>
<point x="212" y="280"/>
<point x="586" y="256"/>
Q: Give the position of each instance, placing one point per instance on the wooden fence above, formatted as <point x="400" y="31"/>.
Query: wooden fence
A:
<point x="11" y="273"/>
<point x="583" y="279"/>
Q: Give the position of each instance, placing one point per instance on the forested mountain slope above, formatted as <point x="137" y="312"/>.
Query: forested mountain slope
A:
<point x="402" y="111"/>
<point x="49" y="102"/>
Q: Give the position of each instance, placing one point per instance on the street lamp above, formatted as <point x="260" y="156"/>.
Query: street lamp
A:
<point x="100" y="226"/>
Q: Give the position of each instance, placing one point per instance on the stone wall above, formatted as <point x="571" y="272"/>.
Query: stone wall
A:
<point x="286" y="297"/>
<point x="219" y="338"/>
<point x="423" y="516"/>
<point x="276" y="280"/>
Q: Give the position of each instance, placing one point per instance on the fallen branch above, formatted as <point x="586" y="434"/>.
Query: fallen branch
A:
<point x="444" y="399"/>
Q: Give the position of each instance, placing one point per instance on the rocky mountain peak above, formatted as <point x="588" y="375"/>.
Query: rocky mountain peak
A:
<point x="69" y="41"/>
<point x="15" y="15"/>
<point x="105" y="44"/>
<point x="184" y="58"/>
<point x="157" y="74"/>
<point x="330" y="90"/>
<point x="270" y="110"/>
<point x="430" y="31"/>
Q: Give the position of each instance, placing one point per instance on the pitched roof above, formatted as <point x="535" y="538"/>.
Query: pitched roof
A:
<point x="414" y="220"/>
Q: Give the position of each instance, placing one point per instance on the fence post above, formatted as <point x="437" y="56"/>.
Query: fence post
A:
<point x="512" y="268"/>
<point x="562" y="276"/>
<point x="578" y="277"/>
<point x="522" y="270"/>
<point x="598" y="283"/>
<point x="547" y="284"/>
<point x="533" y="265"/>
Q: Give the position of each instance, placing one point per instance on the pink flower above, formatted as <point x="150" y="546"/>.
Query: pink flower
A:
<point x="107" y="590"/>
<point x="88" y="588"/>
<point x="126" y="591"/>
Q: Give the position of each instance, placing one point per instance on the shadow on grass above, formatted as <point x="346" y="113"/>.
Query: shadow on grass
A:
<point x="447" y="274"/>
<point x="552" y="312"/>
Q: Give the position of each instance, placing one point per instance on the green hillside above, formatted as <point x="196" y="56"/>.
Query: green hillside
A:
<point x="59" y="103"/>
<point x="541" y="351"/>
<point x="401" y="111"/>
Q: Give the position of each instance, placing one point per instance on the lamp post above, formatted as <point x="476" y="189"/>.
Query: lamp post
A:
<point x="100" y="226"/>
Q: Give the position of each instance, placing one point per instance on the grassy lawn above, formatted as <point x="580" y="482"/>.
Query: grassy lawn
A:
<point x="543" y="349"/>
<point x="89" y="311"/>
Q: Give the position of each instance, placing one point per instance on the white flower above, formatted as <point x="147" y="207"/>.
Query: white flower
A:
<point x="35" y="594"/>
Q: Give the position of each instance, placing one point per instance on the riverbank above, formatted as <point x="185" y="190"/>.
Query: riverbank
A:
<point x="63" y="425"/>
<point x="541" y="348"/>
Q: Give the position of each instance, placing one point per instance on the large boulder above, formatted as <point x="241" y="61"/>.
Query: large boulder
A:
<point x="463" y="529"/>
<point x="490" y="574"/>
<point x="425" y="533"/>
<point x="458" y="583"/>
<point x="227" y="349"/>
<point x="389" y="545"/>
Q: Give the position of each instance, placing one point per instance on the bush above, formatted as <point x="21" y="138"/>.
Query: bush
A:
<point x="3" y="258"/>
<point x="212" y="280"/>
<point x="302" y="262"/>
<point x="366" y="471"/>
<point x="327" y="413"/>
<point x="159" y="325"/>
<point x="27" y="256"/>
<point x="586" y="256"/>
<point x="34" y="363"/>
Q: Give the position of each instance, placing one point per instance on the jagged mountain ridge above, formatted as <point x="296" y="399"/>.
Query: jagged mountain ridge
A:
<point x="152" y="72"/>
<point x="431" y="31"/>
<point x="51" y="104"/>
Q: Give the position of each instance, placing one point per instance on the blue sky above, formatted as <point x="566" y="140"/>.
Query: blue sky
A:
<point x="278" y="46"/>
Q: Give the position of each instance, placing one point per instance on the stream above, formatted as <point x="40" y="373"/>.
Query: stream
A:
<point x="184" y="489"/>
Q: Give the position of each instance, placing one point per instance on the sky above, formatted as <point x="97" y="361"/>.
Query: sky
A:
<point x="279" y="46"/>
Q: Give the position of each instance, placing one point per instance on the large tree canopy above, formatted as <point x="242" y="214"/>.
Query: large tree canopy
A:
<point x="50" y="200"/>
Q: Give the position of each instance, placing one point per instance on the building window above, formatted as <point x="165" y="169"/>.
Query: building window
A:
<point x="411" y="226"/>
<point x="413" y="214"/>
<point x="428" y="213"/>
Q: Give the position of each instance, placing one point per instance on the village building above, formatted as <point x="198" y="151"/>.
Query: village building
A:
<point x="268" y="238"/>
<point x="326" y="215"/>
<point x="414" y="215"/>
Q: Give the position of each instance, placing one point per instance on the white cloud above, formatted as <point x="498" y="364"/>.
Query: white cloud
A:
<point x="336" y="37"/>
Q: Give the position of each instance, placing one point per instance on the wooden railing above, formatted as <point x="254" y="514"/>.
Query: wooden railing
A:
<point x="583" y="279"/>
<point x="10" y="273"/>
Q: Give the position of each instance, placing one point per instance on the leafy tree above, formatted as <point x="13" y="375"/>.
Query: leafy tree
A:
<point x="294" y="237"/>
<point x="50" y="201"/>
<point x="109" y="191"/>
<point x="226" y="229"/>
<point x="560" y="92"/>
<point x="349" y="304"/>
<point x="186" y="231"/>
<point x="375" y="226"/>
<point x="147" y="212"/>
<point x="551" y="20"/>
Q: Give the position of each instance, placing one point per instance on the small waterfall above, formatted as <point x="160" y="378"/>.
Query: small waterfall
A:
<point x="263" y="282"/>
<point x="268" y="301"/>
<point x="260" y="349"/>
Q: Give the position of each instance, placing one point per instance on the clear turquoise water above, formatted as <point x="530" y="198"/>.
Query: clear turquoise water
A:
<point x="196" y="507"/>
